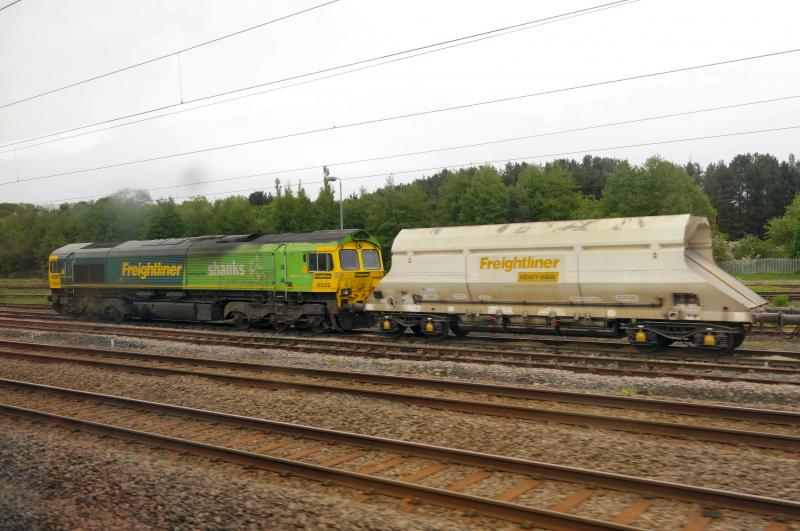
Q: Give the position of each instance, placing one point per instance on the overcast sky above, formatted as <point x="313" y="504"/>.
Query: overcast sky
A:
<point x="45" y="44"/>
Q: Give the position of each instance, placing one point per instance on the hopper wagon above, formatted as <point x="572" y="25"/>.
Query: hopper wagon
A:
<point x="317" y="280"/>
<point x="650" y="279"/>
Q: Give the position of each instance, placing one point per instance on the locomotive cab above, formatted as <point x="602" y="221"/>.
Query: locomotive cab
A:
<point x="56" y="269"/>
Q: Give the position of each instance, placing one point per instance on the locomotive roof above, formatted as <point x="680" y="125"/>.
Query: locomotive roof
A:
<point x="683" y="229"/>
<point x="174" y="244"/>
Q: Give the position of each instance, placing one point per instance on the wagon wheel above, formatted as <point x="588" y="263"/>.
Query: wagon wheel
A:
<point x="397" y="330"/>
<point x="655" y="345"/>
<point x="416" y="330"/>
<point x="726" y="343"/>
<point x="240" y="321"/>
<point x="440" y="331"/>
<point x="457" y="330"/>
<point x="738" y="339"/>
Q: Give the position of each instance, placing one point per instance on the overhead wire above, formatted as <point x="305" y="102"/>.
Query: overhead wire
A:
<point x="408" y="115"/>
<point x="164" y="56"/>
<point x="380" y="60"/>
<point x="441" y="167"/>
<point x="452" y="148"/>
<point x="9" y="5"/>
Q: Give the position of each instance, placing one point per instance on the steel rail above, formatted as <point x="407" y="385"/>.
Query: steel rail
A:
<point x="398" y="489"/>
<point x="409" y="351"/>
<point x="667" y="429"/>
<point x="494" y="343"/>
<point x="769" y="416"/>
<point x="718" y="497"/>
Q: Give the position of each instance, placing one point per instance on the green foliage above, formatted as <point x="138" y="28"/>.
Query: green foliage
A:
<point x="549" y="194"/>
<point x="750" y="190"/>
<point x="753" y="247"/>
<point x="784" y="231"/>
<point x="564" y="189"/>
<point x="195" y="216"/>
<point x="656" y="188"/>
<point x="232" y="215"/>
<point x="720" y="246"/>
<point x="780" y="301"/>
<point x="162" y="220"/>
<point x="393" y="208"/>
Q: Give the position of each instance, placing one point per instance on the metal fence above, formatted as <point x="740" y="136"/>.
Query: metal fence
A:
<point x="761" y="265"/>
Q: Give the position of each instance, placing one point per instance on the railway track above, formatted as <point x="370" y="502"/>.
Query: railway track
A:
<point x="753" y="427"/>
<point x="476" y="483"/>
<point x="793" y="295"/>
<point x="583" y="359"/>
<point x="485" y="340"/>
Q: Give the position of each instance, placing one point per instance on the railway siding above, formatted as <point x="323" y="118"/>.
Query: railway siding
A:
<point x="81" y="411"/>
<point x="237" y="375"/>
<point x="587" y="361"/>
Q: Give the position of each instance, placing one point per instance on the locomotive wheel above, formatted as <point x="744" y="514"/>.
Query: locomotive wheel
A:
<point x="280" y="326"/>
<point x="240" y="321"/>
<point x="112" y="313"/>
<point x="457" y="330"/>
<point x="318" y="326"/>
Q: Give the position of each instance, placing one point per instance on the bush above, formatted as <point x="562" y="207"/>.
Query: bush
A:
<point x="780" y="301"/>
<point x="751" y="247"/>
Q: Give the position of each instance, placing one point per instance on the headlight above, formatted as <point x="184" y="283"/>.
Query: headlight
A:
<point x="346" y="292"/>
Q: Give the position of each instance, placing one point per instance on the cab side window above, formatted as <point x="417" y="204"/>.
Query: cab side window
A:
<point x="371" y="259"/>
<point x="319" y="262"/>
<point x="348" y="258"/>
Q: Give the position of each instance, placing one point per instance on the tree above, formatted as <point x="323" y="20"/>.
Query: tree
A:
<point x="232" y="215"/>
<point x="751" y="247"/>
<point x="782" y="231"/>
<point x="724" y="191"/>
<point x="195" y="216"/>
<point x="394" y="208"/>
<point x="477" y="199"/>
<point x="259" y="198"/>
<point x="656" y="188"/>
<point x="549" y="194"/>
<point x="325" y="210"/>
<point x="162" y="220"/>
<point x="590" y="174"/>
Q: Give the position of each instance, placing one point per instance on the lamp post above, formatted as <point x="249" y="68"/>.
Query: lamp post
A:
<point x="341" y="211"/>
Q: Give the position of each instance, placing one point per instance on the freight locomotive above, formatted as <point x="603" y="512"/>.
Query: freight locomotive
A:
<point x="317" y="280"/>
<point x="650" y="279"/>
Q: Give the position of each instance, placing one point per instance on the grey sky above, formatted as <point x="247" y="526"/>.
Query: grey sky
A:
<point x="48" y="43"/>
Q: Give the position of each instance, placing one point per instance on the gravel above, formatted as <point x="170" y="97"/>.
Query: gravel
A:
<point x="769" y="396"/>
<point x="765" y="472"/>
<point x="53" y="479"/>
<point x="757" y="471"/>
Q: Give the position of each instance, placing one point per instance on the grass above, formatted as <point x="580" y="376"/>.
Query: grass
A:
<point x="22" y="282"/>
<point x="776" y="278"/>
<point x="15" y="294"/>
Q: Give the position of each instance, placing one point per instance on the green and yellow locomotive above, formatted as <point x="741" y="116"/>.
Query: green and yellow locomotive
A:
<point x="316" y="280"/>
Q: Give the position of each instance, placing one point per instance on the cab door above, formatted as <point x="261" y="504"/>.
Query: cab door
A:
<point x="69" y="263"/>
